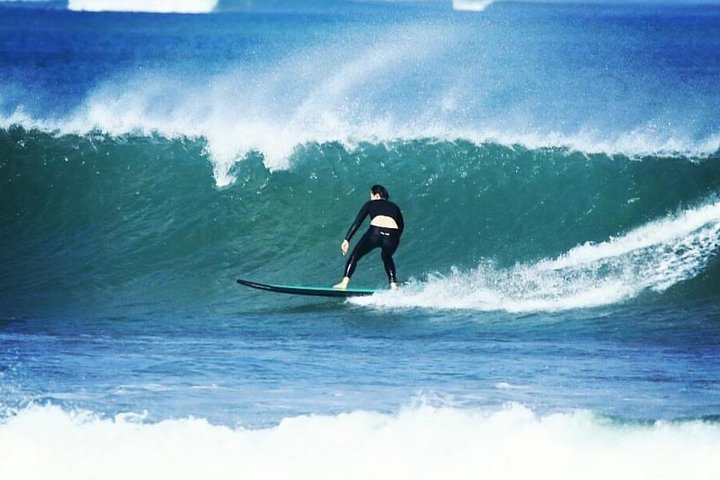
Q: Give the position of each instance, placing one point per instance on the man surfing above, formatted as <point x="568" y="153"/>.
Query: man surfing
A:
<point x="386" y="227"/>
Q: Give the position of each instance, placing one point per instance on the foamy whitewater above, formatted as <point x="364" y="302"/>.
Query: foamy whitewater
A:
<point x="415" y="443"/>
<point x="654" y="257"/>
<point x="558" y="169"/>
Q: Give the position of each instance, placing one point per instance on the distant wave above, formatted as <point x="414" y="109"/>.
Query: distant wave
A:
<point x="154" y="6"/>
<point x="471" y="5"/>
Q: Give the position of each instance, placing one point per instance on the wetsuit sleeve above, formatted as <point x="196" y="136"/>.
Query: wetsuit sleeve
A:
<point x="400" y="221"/>
<point x="364" y="211"/>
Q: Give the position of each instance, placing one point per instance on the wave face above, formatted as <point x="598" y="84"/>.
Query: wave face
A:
<point x="489" y="227"/>
<point x="416" y="443"/>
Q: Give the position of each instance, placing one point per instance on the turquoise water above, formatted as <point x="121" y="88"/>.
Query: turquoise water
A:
<point x="558" y="170"/>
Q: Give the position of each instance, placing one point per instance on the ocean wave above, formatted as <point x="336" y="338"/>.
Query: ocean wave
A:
<point x="422" y="442"/>
<point x="150" y="6"/>
<point x="536" y="230"/>
<point x="354" y="88"/>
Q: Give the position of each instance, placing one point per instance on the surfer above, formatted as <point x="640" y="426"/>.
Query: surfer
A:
<point x="386" y="227"/>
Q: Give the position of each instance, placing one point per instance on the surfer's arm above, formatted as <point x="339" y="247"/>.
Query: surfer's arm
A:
<point x="400" y="222"/>
<point x="358" y="221"/>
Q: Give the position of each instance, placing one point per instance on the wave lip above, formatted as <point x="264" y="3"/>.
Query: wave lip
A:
<point x="148" y="6"/>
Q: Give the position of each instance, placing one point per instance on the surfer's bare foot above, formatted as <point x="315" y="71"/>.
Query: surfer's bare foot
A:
<point x="343" y="283"/>
<point x="393" y="286"/>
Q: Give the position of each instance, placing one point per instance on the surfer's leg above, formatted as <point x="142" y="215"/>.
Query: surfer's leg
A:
<point x="389" y="245"/>
<point x="368" y="241"/>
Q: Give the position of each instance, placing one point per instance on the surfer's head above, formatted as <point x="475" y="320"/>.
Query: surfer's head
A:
<point x="379" y="190"/>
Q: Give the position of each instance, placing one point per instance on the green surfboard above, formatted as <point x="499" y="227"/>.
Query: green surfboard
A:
<point x="307" y="290"/>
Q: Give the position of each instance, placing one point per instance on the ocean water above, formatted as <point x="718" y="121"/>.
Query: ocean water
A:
<point x="558" y="166"/>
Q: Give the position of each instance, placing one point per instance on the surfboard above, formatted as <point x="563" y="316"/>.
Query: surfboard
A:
<point x="307" y="290"/>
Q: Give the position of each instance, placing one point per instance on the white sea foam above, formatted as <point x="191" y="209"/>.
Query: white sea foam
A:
<point x="154" y="6"/>
<point x="417" y="443"/>
<point x="653" y="257"/>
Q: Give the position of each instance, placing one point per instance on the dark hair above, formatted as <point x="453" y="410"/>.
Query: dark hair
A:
<point x="380" y="190"/>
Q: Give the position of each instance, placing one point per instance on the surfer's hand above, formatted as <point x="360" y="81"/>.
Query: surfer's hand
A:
<point x="344" y="247"/>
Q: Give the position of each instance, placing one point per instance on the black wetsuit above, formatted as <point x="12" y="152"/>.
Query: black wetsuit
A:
<point x="387" y="239"/>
